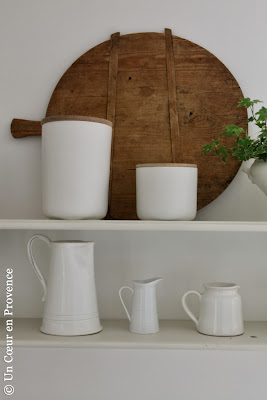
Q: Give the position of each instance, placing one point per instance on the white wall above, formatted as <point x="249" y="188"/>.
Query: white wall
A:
<point x="40" y="39"/>
<point x="102" y="374"/>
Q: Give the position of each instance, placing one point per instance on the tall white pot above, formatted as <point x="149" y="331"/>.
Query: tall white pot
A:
<point x="75" y="167"/>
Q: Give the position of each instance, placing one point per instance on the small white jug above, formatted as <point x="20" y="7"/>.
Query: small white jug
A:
<point x="220" y="310"/>
<point x="144" y="316"/>
<point x="69" y="293"/>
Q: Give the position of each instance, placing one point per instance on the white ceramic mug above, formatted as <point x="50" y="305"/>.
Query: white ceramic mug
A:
<point x="69" y="293"/>
<point x="166" y="191"/>
<point x="144" y="315"/>
<point x="75" y="167"/>
<point x="220" y="310"/>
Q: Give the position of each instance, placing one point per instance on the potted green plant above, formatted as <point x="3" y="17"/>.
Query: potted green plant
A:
<point x="245" y="147"/>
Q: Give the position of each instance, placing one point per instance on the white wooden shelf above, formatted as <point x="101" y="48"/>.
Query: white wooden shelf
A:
<point x="173" y="335"/>
<point x="111" y="225"/>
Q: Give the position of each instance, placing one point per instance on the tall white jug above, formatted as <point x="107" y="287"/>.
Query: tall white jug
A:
<point x="70" y="292"/>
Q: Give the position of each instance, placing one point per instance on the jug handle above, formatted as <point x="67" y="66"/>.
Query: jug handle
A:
<point x="124" y="306"/>
<point x="34" y="265"/>
<point x="188" y="312"/>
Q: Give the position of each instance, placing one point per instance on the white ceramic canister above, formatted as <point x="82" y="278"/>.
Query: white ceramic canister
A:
<point x="220" y="310"/>
<point x="166" y="191"/>
<point x="75" y="167"/>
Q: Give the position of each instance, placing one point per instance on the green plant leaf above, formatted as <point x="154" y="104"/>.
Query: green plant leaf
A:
<point x="263" y="157"/>
<point x="245" y="148"/>
<point x="244" y="142"/>
<point x="247" y="102"/>
<point x="232" y="130"/>
<point x="222" y="151"/>
<point x="206" y="148"/>
<point x="262" y="114"/>
<point x="260" y="124"/>
<point x="263" y="133"/>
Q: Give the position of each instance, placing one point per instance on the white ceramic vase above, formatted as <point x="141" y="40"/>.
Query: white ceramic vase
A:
<point x="257" y="173"/>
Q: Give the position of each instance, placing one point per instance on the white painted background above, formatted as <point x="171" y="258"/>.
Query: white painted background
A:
<point x="39" y="40"/>
<point x="137" y="374"/>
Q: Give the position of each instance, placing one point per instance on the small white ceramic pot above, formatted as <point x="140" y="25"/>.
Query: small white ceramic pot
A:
<point x="166" y="191"/>
<point x="75" y="167"/>
<point x="220" y="310"/>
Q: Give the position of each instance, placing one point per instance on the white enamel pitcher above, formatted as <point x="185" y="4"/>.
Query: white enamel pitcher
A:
<point x="144" y="315"/>
<point x="69" y="293"/>
<point x="220" y="310"/>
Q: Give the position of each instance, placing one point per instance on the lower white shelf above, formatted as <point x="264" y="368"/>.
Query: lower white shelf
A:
<point x="173" y="335"/>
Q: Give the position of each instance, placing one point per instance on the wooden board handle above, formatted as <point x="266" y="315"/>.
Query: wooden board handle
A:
<point x="23" y="127"/>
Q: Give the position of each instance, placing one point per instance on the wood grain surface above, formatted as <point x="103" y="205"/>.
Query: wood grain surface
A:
<point x="166" y="97"/>
<point x="111" y="101"/>
<point x="173" y="109"/>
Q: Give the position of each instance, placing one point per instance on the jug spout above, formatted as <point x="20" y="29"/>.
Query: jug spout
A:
<point x="149" y="282"/>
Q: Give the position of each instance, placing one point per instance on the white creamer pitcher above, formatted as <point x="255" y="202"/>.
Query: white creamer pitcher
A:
<point x="220" y="310"/>
<point x="144" y="315"/>
<point x="70" y="292"/>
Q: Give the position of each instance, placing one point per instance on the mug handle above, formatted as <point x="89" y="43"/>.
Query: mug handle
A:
<point x="124" y="306"/>
<point x="188" y="312"/>
<point x="33" y="263"/>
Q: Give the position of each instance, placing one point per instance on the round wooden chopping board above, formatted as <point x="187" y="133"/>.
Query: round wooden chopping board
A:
<point x="166" y="96"/>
